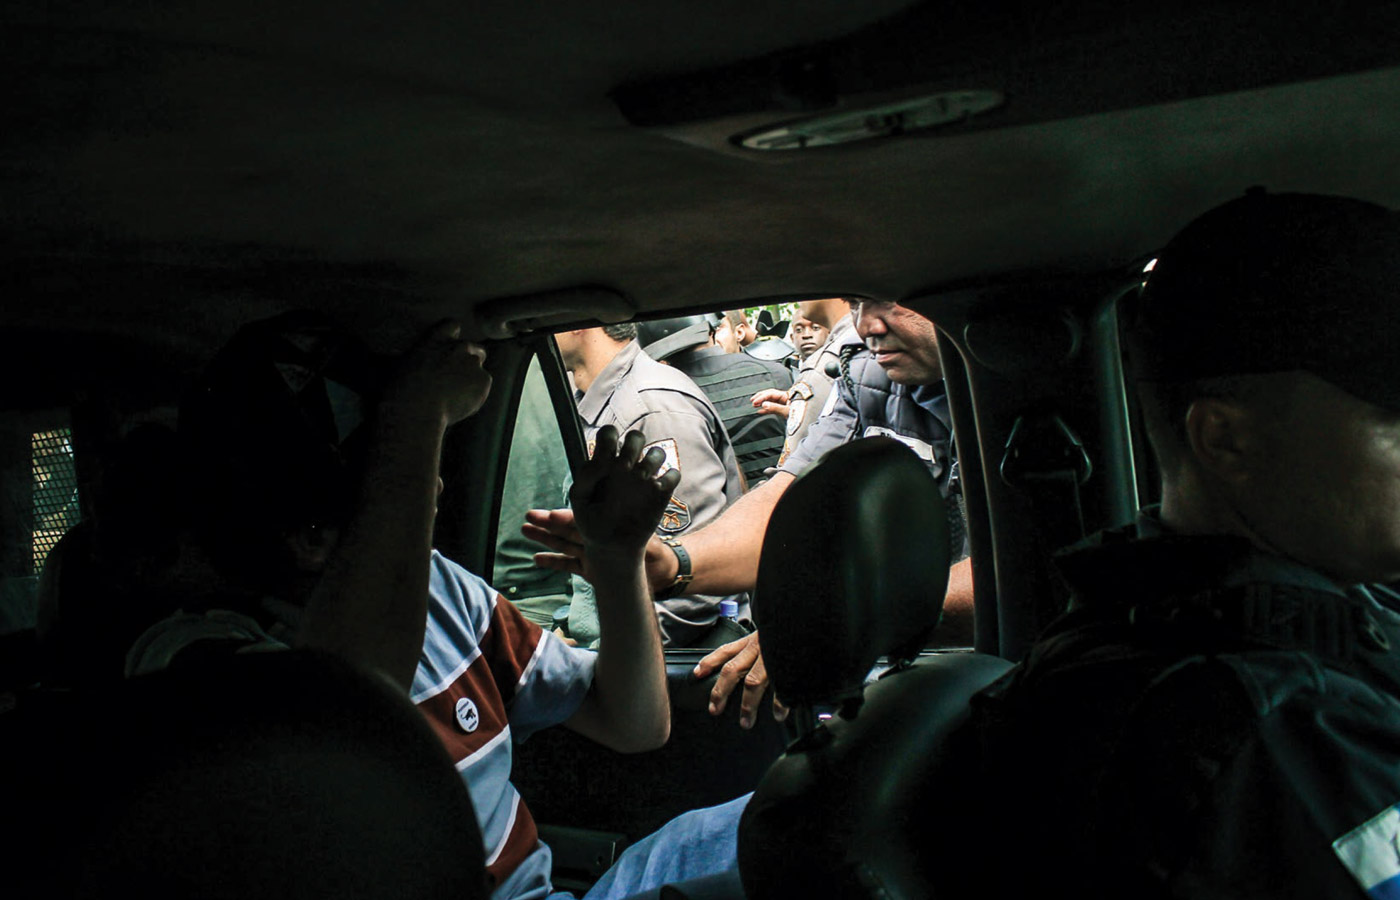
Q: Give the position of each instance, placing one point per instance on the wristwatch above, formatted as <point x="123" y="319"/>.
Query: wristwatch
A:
<point x="683" y="573"/>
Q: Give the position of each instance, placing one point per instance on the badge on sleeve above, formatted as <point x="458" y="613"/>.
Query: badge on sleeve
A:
<point x="675" y="518"/>
<point x="797" y="406"/>
<point x="672" y="451"/>
<point x="1371" y="853"/>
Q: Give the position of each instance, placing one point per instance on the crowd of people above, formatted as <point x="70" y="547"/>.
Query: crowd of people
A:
<point x="1260" y="345"/>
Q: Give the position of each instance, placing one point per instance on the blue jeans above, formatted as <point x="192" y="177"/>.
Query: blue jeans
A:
<point x="694" y="844"/>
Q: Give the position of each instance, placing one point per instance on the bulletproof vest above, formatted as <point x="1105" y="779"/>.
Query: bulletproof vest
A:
<point x="886" y="408"/>
<point x="729" y="380"/>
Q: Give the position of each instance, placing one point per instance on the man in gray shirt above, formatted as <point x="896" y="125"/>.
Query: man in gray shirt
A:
<point x="616" y="384"/>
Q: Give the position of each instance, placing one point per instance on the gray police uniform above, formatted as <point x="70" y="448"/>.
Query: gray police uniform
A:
<point x="1208" y="720"/>
<point x="815" y="376"/>
<point x="634" y="392"/>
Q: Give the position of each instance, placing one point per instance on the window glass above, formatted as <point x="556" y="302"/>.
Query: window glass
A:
<point x="536" y="478"/>
<point x="38" y="504"/>
<point x="54" y="491"/>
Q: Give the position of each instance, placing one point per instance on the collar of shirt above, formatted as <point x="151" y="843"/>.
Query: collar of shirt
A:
<point x="595" y="399"/>
<point x="843" y="332"/>
<point x="1148" y="556"/>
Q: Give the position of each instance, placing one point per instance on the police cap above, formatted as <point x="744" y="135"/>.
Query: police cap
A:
<point x="1274" y="283"/>
<point x="662" y="338"/>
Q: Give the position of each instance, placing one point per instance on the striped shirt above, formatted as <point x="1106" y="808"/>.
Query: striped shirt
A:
<point x="487" y="677"/>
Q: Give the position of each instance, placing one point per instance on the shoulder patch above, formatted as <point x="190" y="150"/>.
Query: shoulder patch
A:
<point x="1371" y="853"/>
<point x="797" y="409"/>
<point x="672" y="451"/>
<point x="675" y="518"/>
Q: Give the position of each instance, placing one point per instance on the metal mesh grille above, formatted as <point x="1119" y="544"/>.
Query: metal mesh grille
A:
<point x="55" y="490"/>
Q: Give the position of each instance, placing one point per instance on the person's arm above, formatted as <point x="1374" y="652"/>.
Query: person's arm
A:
<point x="370" y="605"/>
<point x="741" y="662"/>
<point x="616" y="504"/>
<point x="724" y="554"/>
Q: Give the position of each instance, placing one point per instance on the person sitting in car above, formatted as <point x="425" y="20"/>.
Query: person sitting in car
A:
<point x="313" y="484"/>
<point x="1218" y="714"/>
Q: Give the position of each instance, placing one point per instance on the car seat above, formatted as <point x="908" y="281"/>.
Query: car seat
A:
<point x="283" y="774"/>
<point x="840" y="813"/>
<point x="837" y="815"/>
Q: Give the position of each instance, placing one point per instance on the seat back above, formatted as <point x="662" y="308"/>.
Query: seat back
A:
<point x="854" y="567"/>
<point x="850" y="809"/>
<point x="269" y="775"/>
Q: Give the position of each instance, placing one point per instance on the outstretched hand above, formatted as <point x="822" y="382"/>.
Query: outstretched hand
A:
<point x="738" y="662"/>
<point x="557" y="530"/>
<point x="617" y="500"/>
<point x="771" y="401"/>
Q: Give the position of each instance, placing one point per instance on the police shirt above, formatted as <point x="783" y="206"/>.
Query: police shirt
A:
<point x="635" y="392"/>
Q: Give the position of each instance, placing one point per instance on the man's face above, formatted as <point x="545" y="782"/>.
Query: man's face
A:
<point x="807" y="336"/>
<point x="725" y="337"/>
<point x="904" y="343"/>
<point x="1326" y="489"/>
<point x="568" y="342"/>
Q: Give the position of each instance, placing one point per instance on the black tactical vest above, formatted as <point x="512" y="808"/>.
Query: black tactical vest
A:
<point x="915" y="415"/>
<point x="729" y="380"/>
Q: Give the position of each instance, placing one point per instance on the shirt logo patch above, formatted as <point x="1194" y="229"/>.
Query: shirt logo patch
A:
<point x="1371" y="853"/>
<point x="467" y="717"/>
<point x="676" y="517"/>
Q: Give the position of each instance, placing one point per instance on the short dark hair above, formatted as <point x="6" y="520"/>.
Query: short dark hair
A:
<point x="622" y="332"/>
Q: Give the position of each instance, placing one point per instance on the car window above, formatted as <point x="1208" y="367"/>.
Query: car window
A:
<point x="536" y="478"/>
<point x="40" y="504"/>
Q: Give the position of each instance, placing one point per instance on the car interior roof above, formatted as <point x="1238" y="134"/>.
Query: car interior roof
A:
<point x="171" y="172"/>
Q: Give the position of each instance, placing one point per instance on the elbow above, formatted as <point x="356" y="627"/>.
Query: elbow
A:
<point x="640" y="740"/>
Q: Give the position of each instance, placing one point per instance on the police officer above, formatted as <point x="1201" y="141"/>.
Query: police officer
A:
<point x="806" y="400"/>
<point x="807" y="338"/>
<point x="617" y="384"/>
<point x="728" y="379"/>
<point x="1219" y="713"/>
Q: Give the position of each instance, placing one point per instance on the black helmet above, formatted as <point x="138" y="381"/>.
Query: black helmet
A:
<point x="663" y="338"/>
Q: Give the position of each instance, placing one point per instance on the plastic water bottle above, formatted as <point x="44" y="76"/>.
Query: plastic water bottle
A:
<point x="729" y="609"/>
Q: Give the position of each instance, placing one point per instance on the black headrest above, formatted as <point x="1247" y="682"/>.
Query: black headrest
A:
<point x="854" y="567"/>
<point x="271" y="775"/>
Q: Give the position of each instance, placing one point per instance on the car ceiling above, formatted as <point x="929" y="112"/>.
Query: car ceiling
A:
<point x="170" y="172"/>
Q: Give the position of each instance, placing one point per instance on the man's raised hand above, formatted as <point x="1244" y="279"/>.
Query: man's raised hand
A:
<point x="617" y="497"/>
